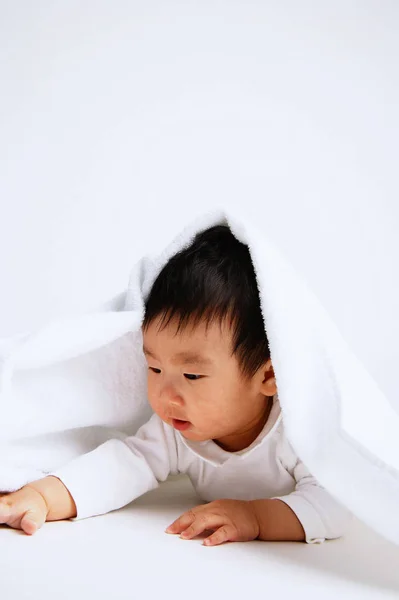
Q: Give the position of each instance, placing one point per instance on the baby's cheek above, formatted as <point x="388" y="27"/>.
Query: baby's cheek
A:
<point x="153" y="397"/>
<point x="208" y="421"/>
<point x="158" y="409"/>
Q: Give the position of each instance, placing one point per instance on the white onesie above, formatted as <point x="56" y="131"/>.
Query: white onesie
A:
<point x="119" y="471"/>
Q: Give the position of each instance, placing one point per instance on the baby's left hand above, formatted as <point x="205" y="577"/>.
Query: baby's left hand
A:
<point x="231" y="521"/>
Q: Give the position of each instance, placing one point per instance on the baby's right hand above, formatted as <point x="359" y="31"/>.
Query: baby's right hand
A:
<point x="25" y="509"/>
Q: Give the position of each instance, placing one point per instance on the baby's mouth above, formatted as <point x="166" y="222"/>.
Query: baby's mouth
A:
<point x="180" y="425"/>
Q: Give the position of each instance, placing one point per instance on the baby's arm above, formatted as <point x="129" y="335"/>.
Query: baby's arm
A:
<point x="309" y="513"/>
<point x="105" y="479"/>
<point x="277" y="522"/>
<point x="120" y="471"/>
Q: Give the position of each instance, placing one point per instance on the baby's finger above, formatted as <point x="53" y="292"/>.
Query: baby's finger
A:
<point x="225" y="533"/>
<point x="182" y="522"/>
<point x="32" y="521"/>
<point x="203" y="522"/>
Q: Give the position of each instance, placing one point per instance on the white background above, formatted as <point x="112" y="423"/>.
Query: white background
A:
<point x="122" y="120"/>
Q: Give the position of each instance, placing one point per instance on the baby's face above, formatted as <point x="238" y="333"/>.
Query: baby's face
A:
<point x="195" y="383"/>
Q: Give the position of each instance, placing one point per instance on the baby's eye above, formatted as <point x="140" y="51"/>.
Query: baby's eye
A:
<point x="192" y="377"/>
<point x="154" y="370"/>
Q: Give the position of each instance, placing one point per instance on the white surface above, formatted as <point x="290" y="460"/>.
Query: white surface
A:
<point x="126" y="554"/>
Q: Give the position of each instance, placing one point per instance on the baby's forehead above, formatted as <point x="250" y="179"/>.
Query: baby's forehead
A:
<point x="182" y="332"/>
<point x="192" y="340"/>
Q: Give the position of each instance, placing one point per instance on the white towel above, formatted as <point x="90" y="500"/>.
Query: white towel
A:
<point x="77" y="382"/>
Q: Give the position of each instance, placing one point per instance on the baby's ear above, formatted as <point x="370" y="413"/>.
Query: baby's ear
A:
<point x="268" y="380"/>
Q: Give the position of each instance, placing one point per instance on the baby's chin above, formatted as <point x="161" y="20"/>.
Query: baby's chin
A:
<point x="195" y="435"/>
<point x="191" y="432"/>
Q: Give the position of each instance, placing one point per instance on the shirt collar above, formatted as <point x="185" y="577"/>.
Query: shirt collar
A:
<point x="215" y="455"/>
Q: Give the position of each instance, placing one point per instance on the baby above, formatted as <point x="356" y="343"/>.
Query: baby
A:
<point x="216" y="418"/>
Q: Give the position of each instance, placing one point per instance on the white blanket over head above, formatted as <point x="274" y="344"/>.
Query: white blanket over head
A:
<point x="78" y="382"/>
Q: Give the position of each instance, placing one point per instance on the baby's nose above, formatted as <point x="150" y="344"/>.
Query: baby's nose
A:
<point x="172" y="395"/>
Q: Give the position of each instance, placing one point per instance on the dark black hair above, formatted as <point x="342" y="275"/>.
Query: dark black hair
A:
<point x="213" y="280"/>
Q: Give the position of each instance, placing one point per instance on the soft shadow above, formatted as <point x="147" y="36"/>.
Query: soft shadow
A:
<point x="362" y="556"/>
<point x="14" y="531"/>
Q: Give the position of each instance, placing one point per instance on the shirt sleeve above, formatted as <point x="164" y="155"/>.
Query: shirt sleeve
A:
<point x="120" y="470"/>
<point x="322" y="516"/>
